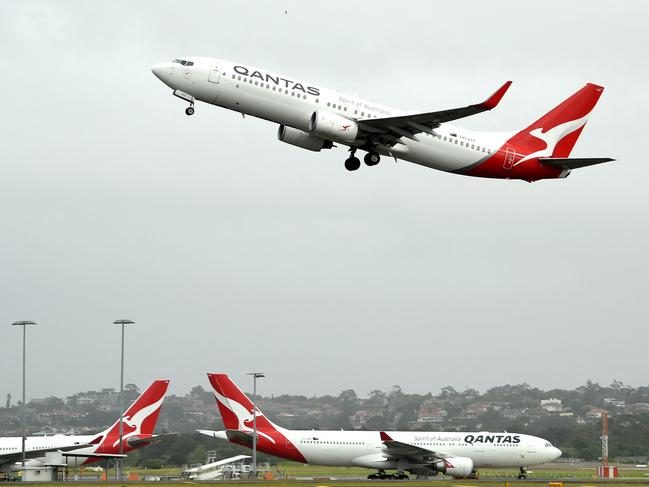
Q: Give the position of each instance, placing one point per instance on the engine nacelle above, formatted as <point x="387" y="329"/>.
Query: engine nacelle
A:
<point x="455" y="466"/>
<point x="302" y="139"/>
<point x="332" y="126"/>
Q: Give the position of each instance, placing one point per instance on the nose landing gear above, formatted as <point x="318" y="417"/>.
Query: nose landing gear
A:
<point x="188" y="98"/>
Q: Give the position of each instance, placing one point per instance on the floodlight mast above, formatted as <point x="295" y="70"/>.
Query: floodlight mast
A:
<point x="118" y="469"/>
<point x="24" y="324"/>
<point x="255" y="376"/>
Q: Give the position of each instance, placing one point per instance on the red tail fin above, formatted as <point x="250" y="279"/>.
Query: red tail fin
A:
<point x="235" y="408"/>
<point x="555" y="133"/>
<point x="140" y="418"/>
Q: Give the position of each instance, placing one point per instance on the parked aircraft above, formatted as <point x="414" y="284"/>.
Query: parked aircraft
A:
<point x="138" y="424"/>
<point x="428" y="452"/>
<point x="313" y="117"/>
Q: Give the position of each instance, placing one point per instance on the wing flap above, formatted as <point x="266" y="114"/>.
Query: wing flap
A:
<point x="399" y="449"/>
<point x="573" y="162"/>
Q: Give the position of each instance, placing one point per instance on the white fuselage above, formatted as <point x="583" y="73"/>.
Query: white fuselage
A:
<point x="291" y="102"/>
<point x="365" y="448"/>
<point x="34" y="444"/>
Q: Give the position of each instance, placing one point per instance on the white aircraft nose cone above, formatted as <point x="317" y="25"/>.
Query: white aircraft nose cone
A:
<point x="160" y="70"/>
<point x="557" y="453"/>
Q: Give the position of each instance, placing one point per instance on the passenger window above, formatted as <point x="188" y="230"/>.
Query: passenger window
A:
<point x="472" y="146"/>
<point x="345" y="108"/>
<point x="328" y="104"/>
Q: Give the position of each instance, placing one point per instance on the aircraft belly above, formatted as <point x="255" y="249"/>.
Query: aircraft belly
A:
<point x="442" y="157"/>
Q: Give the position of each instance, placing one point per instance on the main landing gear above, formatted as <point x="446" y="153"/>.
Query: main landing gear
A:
<point x="381" y="475"/>
<point x="189" y="110"/>
<point x="523" y="474"/>
<point x="352" y="163"/>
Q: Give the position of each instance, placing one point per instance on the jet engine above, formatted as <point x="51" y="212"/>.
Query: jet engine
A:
<point x="455" y="466"/>
<point x="332" y="126"/>
<point x="302" y="139"/>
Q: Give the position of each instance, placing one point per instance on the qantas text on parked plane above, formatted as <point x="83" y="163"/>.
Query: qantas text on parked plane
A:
<point x="314" y="118"/>
<point x="454" y="453"/>
<point x="139" y="422"/>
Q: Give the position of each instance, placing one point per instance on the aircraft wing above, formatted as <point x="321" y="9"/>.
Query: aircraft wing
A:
<point x="399" y="449"/>
<point x="29" y="454"/>
<point x="409" y="125"/>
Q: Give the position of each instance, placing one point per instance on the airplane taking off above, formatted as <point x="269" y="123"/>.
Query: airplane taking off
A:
<point x="137" y="431"/>
<point x="316" y="118"/>
<point x="418" y="452"/>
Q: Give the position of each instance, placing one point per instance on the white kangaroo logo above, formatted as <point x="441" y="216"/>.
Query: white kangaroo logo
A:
<point x="552" y="137"/>
<point x="242" y="414"/>
<point x="136" y="420"/>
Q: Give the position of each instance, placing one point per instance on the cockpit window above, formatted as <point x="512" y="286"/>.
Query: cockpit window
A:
<point x="548" y="445"/>
<point x="183" y="62"/>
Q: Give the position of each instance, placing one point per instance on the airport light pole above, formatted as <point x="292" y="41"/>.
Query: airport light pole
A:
<point x="118" y="472"/>
<point x="255" y="376"/>
<point x="24" y="324"/>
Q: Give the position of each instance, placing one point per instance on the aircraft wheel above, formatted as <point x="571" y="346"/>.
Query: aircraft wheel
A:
<point x="352" y="164"/>
<point x="371" y="159"/>
<point x="372" y="476"/>
<point x="189" y="111"/>
<point x="522" y="476"/>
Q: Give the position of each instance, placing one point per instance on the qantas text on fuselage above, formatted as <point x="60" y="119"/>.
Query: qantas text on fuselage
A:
<point x="313" y="117"/>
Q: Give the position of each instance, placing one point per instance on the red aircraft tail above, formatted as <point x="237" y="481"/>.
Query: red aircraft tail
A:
<point x="556" y="132"/>
<point x="235" y="407"/>
<point x="139" y="420"/>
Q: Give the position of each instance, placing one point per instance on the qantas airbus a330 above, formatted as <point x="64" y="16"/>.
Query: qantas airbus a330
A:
<point x="316" y="118"/>
<point x="420" y="452"/>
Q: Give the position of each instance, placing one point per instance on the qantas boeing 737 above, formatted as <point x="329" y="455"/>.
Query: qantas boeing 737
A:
<point x="454" y="453"/>
<point x="316" y="118"/>
<point x="137" y="431"/>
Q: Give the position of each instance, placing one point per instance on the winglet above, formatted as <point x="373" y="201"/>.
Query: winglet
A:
<point x="385" y="436"/>
<point x="496" y="97"/>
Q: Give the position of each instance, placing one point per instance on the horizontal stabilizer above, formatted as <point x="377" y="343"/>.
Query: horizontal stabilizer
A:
<point x="573" y="162"/>
<point x="94" y="455"/>
<point x="136" y="441"/>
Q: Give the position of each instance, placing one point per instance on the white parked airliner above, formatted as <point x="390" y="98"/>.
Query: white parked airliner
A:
<point x="454" y="453"/>
<point x="137" y="431"/>
<point x="316" y="118"/>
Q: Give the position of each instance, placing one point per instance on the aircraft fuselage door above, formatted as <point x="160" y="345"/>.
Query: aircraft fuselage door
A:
<point x="510" y="155"/>
<point x="215" y="74"/>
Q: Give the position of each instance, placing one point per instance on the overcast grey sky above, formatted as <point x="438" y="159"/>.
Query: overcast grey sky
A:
<point x="234" y="252"/>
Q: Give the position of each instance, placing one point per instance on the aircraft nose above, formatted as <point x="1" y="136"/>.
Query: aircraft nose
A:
<point x="159" y="70"/>
<point x="557" y="453"/>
